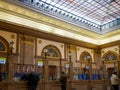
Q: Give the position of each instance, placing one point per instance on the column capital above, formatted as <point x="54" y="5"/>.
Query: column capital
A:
<point x="97" y="50"/>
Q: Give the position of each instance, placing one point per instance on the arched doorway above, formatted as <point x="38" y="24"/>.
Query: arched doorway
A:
<point x="4" y="49"/>
<point x="86" y="64"/>
<point x="85" y="58"/>
<point x="53" y="56"/>
<point x="111" y="60"/>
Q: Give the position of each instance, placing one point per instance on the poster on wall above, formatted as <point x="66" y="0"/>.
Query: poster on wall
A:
<point x="2" y="60"/>
<point x="40" y="63"/>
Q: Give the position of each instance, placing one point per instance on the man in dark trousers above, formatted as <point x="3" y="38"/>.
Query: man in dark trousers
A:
<point x="63" y="81"/>
<point x="115" y="81"/>
<point x="32" y="81"/>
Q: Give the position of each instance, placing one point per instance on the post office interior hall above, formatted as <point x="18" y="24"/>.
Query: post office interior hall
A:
<point x="78" y="37"/>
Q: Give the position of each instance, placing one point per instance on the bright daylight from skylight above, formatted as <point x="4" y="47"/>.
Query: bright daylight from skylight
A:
<point x="99" y="16"/>
<point x="97" y="11"/>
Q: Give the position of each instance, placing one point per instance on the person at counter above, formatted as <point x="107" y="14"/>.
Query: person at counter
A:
<point x="0" y="76"/>
<point x="63" y="81"/>
<point x="32" y="81"/>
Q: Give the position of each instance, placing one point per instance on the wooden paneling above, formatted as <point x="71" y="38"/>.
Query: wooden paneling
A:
<point x="55" y="85"/>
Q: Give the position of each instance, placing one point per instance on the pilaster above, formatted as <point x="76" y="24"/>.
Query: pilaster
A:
<point x="10" y="67"/>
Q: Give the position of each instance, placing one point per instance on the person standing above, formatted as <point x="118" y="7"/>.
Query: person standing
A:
<point x="115" y="81"/>
<point x="32" y="81"/>
<point x="0" y="76"/>
<point x="63" y="81"/>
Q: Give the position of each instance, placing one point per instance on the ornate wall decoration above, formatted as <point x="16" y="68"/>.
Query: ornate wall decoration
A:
<point x="103" y="51"/>
<point x="12" y="36"/>
<point x="52" y="52"/>
<point x="78" y="49"/>
<point x="116" y="49"/>
<point x="110" y="56"/>
<point x="62" y="46"/>
<point x="2" y="47"/>
<point x="85" y="57"/>
<point x="40" y="41"/>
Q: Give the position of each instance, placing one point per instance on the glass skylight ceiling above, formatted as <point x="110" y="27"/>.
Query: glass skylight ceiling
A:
<point x="95" y="15"/>
<point x="97" y="11"/>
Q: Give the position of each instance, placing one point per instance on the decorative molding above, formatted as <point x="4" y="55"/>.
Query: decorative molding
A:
<point x="78" y="49"/>
<point x="12" y="36"/>
<point x="62" y="46"/>
<point x="27" y="42"/>
<point x="40" y="41"/>
<point x="109" y="59"/>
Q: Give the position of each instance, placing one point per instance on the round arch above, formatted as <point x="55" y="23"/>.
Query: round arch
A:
<point x="85" y="57"/>
<point x="52" y="52"/>
<point x="4" y="51"/>
<point x="5" y="46"/>
<point x="110" y="56"/>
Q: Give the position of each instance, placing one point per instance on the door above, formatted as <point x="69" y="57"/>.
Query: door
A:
<point x="110" y="71"/>
<point x="52" y="72"/>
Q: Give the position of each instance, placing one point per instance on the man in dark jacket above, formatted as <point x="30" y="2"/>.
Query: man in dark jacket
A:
<point x="0" y="76"/>
<point x="63" y="81"/>
<point x="32" y="81"/>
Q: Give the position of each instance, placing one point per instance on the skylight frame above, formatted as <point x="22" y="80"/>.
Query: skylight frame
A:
<point x="78" y="21"/>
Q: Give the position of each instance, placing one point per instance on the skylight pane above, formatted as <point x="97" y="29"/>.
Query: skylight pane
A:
<point x="117" y="6"/>
<point x="89" y="1"/>
<point x="88" y="5"/>
<point x="53" y="3"/>
<point x="85" y="4"/>
<point x="91" y="10"/>
<point x="48" y="1"/>
<point x="58" y="5"/>
<point x="44" y="0"/>
<point x="61" y="6"/>
<point x="93" y="2"/>
<point x="88" y="9"/>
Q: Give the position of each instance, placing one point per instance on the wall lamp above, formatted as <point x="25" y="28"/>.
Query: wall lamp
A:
<point x="70" y="55"/>
<point x="11" y="45"/>
<point x="103" y="59"/>
<point x="45" y="52"/>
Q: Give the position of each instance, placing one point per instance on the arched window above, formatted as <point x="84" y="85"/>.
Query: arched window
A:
<point x="85" y="57"/>
<point x="2" y="47"/>
<point x="52" y="52"/>
<point x="110" y="56"/>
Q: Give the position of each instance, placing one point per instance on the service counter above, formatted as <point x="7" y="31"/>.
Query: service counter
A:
<point x="55" y="85"/>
